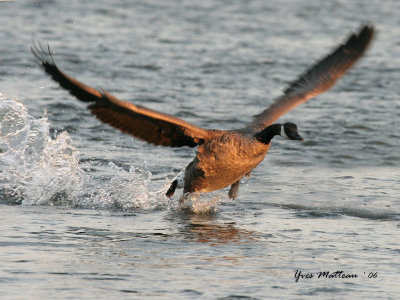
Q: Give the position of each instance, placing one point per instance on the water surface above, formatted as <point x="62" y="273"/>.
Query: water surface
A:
<point x="82" y="205"/>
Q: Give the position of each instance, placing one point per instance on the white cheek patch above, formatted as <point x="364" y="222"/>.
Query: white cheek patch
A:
<point x="283" y="133"/>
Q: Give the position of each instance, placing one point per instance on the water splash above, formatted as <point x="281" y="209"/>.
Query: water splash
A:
<point x="204" y="204"/>
<point x="38" y="170"/>
<point x="35" y="170"/>
<point x="126" y="190"/>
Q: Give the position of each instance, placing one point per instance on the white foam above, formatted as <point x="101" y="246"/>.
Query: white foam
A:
<point x="38" y="170"/>
<point x="34" y="168"/>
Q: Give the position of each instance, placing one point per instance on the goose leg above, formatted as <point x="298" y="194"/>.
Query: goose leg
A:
<point x="234" y="190"/>
<point x="182" y="199"/>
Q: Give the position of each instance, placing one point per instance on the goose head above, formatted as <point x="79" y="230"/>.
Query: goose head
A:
<point x="289" y="131"/>
<point x="286" y="130"/>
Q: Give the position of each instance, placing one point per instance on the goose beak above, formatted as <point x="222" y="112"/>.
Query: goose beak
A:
<point x="297" y="136"/>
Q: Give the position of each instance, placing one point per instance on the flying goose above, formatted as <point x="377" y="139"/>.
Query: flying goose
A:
<point x="223" y="157"/>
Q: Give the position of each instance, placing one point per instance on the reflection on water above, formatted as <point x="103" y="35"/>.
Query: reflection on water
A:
<point x="205" y="228"/>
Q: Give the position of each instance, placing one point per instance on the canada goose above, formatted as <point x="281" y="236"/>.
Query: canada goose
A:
<point x="223" y="156"/>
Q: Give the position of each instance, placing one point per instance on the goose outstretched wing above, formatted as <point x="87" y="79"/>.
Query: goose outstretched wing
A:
<point x="149" y="125"/>
<point x="317" y="79"/>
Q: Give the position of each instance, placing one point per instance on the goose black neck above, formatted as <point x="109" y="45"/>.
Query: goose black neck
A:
<point x="265" y="136"/>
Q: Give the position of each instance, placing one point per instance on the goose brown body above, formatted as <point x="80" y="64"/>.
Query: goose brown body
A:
<point x="223" y="156"/>
<point x="223" y="160"/>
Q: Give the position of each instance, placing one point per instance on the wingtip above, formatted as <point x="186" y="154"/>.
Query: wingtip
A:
<point x="42" y="56"/>
<point x="367" y="27"/>
<point x="367" y="32"/>
<point x="362" y="39"/>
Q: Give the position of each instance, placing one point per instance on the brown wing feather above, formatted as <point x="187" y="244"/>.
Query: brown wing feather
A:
<point x="143" y="123"/>
<point x="317" y="79"/>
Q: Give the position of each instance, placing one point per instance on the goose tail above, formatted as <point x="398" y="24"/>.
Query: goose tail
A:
<point x="172" y="189"/>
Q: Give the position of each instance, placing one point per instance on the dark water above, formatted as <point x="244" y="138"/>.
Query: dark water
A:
<point x="81" y="205"/>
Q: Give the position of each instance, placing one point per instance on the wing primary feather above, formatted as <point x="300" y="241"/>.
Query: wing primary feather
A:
<point x="78" y="89"/>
